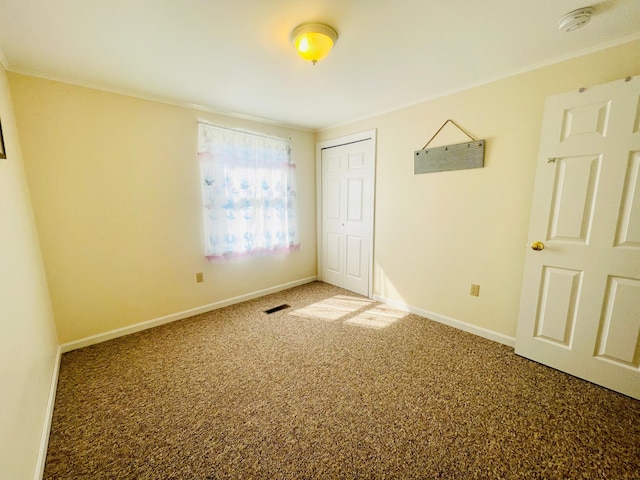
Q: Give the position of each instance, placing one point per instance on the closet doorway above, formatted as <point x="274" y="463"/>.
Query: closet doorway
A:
<point x="346" y="184"/>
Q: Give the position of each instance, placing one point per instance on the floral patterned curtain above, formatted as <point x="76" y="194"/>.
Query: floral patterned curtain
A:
<point x="248" y="192"/>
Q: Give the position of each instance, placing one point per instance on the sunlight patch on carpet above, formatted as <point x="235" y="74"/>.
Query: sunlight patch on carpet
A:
<point x="378" y="317"/>
<point x="342" y="306"/>
<point x="333" y="308"/>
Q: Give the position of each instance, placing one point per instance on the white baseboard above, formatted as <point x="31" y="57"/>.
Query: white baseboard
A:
<point x="452" y="322"/>
<point x="120" y="332"/>
<point x="48" y="417"/>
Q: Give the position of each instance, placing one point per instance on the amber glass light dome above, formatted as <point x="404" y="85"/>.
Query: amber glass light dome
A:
<point x="314" y="41"/>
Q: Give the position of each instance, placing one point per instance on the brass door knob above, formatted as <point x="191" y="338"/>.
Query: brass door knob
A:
<point x="537" y="246"/>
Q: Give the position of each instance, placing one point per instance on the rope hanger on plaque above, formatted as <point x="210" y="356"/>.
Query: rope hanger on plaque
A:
<point x="450" y="157"/>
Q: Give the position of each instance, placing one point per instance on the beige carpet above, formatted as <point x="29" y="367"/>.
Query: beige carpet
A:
<point x="337" y="387"/>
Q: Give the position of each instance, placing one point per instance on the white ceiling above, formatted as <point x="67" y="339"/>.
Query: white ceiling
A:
<point x="235" y="56"/>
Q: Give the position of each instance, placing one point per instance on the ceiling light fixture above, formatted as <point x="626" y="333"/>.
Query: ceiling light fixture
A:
<point x="576" y="19"/>
<point x="314" y="41"/>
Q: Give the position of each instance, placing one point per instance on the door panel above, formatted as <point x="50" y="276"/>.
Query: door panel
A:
<point x="590" y="119"/>
<point x="580" y="301"/>
<point x="620" y="319"/>
<point x="629" y="225"/>
<point x="334" y="260"/>
<point x="356" y="160"/>
<point x="559" y="293"/>
<point x="347" y="215"/>
<point x="355" y="188"/>
<point x="573" y="198"/>
<point x="354" y="257"/>
<point x="333" y="199"/>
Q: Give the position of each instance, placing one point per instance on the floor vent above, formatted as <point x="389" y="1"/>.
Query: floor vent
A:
<point x="277" y="309"/>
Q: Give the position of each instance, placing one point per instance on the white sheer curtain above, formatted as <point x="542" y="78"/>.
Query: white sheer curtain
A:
<point x="248" y="192"/>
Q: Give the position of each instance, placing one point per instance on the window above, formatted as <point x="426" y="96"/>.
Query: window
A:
<point x="248" y="192"/>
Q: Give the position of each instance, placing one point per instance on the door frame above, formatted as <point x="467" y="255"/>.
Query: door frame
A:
<point x="337" y="142"/>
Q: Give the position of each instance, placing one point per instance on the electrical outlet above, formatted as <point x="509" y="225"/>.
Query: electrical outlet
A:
<point x="199" y="277"/>
<point x="475" y="290"/>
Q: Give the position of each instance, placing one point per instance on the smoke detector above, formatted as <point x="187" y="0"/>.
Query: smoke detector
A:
<point x="576" y="19"/>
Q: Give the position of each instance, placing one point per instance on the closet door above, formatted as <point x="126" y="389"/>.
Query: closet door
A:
<point x="347" y="215"/>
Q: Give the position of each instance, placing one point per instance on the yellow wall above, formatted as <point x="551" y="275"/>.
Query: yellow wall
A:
<point x="28" y="343"/>
<point x="115" y="191"/>
<point x="437" y="233"/>
<point x="116" y="195"/>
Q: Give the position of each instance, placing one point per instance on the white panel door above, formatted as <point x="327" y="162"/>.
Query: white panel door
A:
<point x="347" y="215"/>
<point x="580" y="302"/>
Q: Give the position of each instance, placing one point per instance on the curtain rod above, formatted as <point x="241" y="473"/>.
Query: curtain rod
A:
<point x="246" y="132"/>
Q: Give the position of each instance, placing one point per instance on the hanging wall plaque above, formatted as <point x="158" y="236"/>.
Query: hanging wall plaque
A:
<point x="451" y="157"/>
